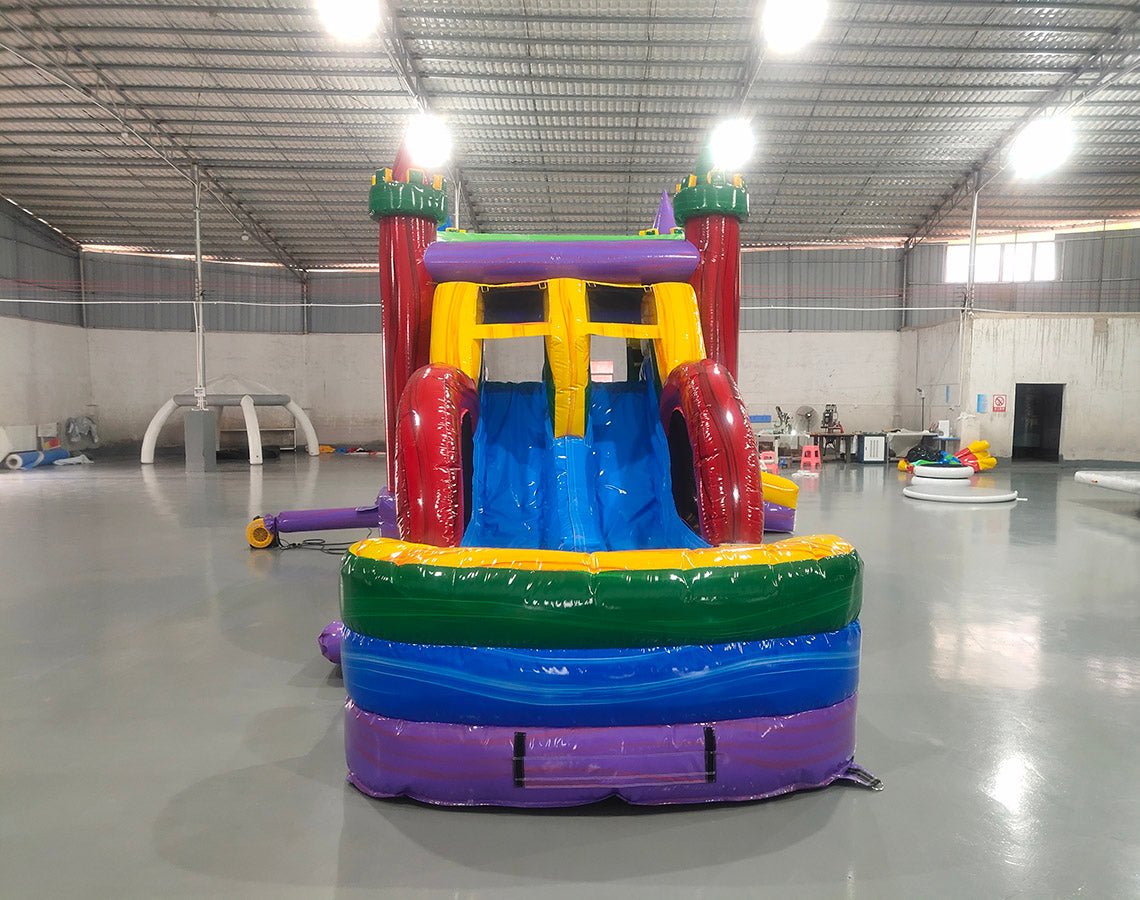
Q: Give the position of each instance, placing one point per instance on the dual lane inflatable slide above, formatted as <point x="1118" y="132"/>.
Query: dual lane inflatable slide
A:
<point x="570" y="599"/>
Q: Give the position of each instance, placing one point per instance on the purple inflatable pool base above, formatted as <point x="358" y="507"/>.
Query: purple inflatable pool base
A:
<point x="474" y="765"/>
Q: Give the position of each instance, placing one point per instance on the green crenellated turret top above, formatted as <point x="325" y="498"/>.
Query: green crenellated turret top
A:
<point x="709" y="190"/>
<point x="420" y="195"/>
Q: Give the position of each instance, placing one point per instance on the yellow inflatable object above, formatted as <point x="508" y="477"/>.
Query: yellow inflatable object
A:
<point x="981" y="451"/>
<point x="780" y="490"/>
<point x="670" y="319"/>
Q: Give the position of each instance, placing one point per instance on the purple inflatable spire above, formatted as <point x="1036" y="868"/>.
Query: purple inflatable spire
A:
<point x="664" y="221"/>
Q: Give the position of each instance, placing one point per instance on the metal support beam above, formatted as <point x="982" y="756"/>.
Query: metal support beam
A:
<point x="1103" y="62"/>
<point x="118" y="105"/>
<point x="409" y="77"/>
<point x="972" y="268"/>
<point x="199" y="297"/>
<point x="696" y="20"/>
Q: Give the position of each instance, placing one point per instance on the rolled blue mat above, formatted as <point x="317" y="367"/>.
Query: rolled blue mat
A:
<point x="512" y="686"/>
<point x="30" y="459"/>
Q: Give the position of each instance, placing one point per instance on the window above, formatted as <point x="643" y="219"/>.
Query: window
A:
<point x="1010" y="262"/>
<point x="513" y="305"/>
<point x="1017" y="262"/>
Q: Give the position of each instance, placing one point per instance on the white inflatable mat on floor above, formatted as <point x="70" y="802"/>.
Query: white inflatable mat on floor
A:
<point x="1123" y="480"/>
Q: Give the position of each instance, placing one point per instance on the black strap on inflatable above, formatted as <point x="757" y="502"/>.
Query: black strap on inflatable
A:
<point x="710" y="754"/>
<point x="520" y="759"/>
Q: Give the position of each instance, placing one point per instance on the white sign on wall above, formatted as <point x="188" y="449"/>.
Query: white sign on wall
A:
<point x="999" y="403"/>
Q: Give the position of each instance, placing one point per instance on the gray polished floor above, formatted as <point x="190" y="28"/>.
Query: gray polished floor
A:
<point x="168" y="727"/>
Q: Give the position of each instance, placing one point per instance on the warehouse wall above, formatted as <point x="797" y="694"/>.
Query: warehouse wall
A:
<point x="1098" y="272"/>
<point x="337" y="302"/>
<point x="781" y="290"/>
<point x="155" y="294"/>
<point x="123" y="376"/>
<point x="336" y="378"/>
<point x="832" y="290"/>
<point x="1096" y="357"/>
<point x="36" y="263"/>
<point x="849" y="341"/>
<point x="857" y="371"/>
<point x="930" y="359"/>
<point x="44" y="372"/>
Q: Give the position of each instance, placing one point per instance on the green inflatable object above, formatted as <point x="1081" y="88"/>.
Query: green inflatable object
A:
<point x="393" y="198"/>
<point x="501" y="607"/>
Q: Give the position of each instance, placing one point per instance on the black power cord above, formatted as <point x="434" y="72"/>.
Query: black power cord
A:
<point x="332" y="548"/>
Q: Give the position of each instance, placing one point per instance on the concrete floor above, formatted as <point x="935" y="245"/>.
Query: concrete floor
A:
<point x="168" y="728"/>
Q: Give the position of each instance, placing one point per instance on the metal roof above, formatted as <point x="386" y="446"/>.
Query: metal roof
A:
<point x="567" y="115"/>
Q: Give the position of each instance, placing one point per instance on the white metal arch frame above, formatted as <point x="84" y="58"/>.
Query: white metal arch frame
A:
<point x="239" y="392"/>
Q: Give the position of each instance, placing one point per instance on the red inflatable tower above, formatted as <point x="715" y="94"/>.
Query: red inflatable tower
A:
<point x="710" y="205"/>
<point x="409" y="205"/>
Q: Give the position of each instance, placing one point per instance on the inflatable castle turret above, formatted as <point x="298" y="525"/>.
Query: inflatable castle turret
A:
<point x="409" y="204"/>
<point x="710" y="204"/>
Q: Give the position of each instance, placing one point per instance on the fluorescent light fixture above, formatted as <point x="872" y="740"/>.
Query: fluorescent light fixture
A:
<point x="1042" y="146"/>
<point x="791" y="24"/>
<point x="731" y="144"/>
<point x="350" y="21"/>
<point x="428" y="140"/>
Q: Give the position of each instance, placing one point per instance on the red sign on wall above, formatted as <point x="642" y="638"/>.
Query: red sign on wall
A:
<point x="999" y="402"/>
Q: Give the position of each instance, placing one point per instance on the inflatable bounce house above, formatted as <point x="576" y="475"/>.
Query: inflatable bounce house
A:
<point x="570" y="598"/>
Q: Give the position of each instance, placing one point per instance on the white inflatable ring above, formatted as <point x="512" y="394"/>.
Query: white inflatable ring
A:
<point x="943" y="472"/>
<point x="965" y="495"/>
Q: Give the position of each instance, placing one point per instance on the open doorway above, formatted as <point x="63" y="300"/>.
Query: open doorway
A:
<point x="1037" y="421"/>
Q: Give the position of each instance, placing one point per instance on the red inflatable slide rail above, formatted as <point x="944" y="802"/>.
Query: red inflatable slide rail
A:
<point x="715" y="463"/>
<point x="435" y="422"/>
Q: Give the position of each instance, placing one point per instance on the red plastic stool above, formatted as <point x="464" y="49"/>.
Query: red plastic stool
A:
<point x="769" y="462"/>
<point x="809" y="457"/>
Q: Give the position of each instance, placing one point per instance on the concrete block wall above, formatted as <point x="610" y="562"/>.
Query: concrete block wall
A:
<point x="49" y="372"/>
<point x="1096" y="357"/>
<point x="855" y="370"/>
<point x="929" y="358"/>
<point x="45" y="374"/>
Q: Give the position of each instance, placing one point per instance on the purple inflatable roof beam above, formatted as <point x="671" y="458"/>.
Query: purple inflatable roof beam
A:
<point x="635" y="261"/>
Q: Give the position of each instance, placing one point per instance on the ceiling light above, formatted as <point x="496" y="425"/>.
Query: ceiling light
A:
<point x="351" y="21"/>
<point x="428" y="140"/>
<point x="731" y="144"/>
<point x="1043" y="145"/>
<point x="245" y="235"/>
<point x="790" y="24"/>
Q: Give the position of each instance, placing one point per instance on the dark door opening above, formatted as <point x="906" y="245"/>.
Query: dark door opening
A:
<point x="1037" y="421"/>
